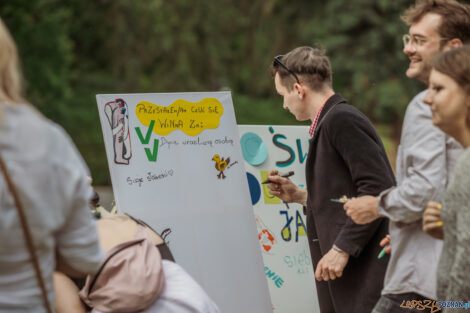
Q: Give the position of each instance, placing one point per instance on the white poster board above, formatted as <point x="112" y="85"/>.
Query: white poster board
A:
<point x="281" y="228"/>
<point x="175" y="162"/>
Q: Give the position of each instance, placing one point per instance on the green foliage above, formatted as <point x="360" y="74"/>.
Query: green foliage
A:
<point x="74" y="49"/>
<point x="365" y="45"/>
<point x="252" y="110"/>
<point x="41" y="30"/>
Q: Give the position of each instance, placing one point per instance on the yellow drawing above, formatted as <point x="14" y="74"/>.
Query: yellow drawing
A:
<point x="190" y="117"/>
<point x="300" y="226"/>
<point x="220" y="165"/>
<point x="268" y="198"/>
<point x="286" y="233"/>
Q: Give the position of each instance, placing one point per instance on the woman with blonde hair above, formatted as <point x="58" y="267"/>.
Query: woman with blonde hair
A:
<point x="44" y="199"/>
<point x="449" y="98"/>
<point x="10" y="79"/>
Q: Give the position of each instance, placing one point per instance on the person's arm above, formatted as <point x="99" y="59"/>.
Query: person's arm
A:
<point x="63" y="267"/>
<point x="78" y="250"/>
<point x="424" y="169"/>
<point x="459" y="284"/>
<point x="77" y="245"/>
<point x="432" y="223"/>
<point x="285" y="189"/>
<point x="354" y="138"/>
<point x="66" y="295"/>
<point x="118" y="127"/>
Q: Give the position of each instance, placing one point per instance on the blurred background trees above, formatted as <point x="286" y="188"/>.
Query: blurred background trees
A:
<point x="74" y="49"/>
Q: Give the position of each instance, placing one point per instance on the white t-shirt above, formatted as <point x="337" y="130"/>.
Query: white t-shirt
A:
<point x="51" y="180"/>
<point x="182" y="294"/>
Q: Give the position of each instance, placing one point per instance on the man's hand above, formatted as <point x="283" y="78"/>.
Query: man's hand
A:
<point x="331" y="265"/>
<point x="432" y="224"/>
<point x="285" y="189"/>
<point x="386" y="242"/>
<point x="362" y="210"/>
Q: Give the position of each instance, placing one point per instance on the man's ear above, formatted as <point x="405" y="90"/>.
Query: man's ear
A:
<point x="300" y="89"/>
<point x="453" y="43"/>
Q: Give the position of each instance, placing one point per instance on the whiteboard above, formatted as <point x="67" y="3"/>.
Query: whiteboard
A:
<point x="281" y="228"/>
<point x="175" y="162"/>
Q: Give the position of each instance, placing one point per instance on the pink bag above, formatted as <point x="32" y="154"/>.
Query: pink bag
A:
<point x="130" y="277"/>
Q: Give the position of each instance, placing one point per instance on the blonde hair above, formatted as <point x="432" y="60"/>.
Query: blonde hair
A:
<point x="10" y="74"/>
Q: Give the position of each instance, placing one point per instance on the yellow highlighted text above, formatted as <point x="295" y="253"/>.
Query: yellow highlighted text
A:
<point x="190" y="117"/>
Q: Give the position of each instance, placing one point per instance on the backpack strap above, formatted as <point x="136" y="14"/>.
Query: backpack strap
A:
<point x="165" y="252"/>
<point x="27" y="236"/>
<point x="163" y="247"/>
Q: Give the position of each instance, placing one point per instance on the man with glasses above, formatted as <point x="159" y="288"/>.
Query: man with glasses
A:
<point x="424" y="162"/>
<point x="345" y="157"/>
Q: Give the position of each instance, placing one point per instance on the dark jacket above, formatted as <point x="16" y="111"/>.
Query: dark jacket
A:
<point x="346" y="157"/>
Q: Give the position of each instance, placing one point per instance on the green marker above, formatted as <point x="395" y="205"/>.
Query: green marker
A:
<point x="382" y="253"/>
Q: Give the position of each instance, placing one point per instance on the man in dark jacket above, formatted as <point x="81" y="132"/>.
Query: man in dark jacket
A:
<point x="346" y="157"/>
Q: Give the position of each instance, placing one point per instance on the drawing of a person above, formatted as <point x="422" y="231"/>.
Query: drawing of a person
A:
<point x="117" y="113"/>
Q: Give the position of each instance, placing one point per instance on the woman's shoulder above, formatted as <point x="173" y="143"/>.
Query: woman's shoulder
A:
<point x="28" y="136"/>
<point x="28" y="123"/>
<point x="462" y="168"/>
<point x="459" y="187"/>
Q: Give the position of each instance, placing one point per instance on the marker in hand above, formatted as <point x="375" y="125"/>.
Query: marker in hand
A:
<point x="387" y="247"/>
<point x="382" y="253"/>
<point x="286" y="175"/>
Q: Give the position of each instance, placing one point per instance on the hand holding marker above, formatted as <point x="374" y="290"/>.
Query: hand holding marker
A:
<point x="286" y="175"/>
<point x="382" y="253"/>
<point x="385" y="242"/>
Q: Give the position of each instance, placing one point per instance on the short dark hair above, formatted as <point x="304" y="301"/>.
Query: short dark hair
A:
<point x="311" y="65"/>
<point x="455" y="63"/>
<point x="455" y="17"/>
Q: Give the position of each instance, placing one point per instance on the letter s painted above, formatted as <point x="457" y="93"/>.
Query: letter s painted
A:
<point x="285" y="147"/>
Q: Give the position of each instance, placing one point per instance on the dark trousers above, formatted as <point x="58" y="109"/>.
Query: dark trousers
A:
<point x="323" y="291"/>
<point x="405" y="303"/>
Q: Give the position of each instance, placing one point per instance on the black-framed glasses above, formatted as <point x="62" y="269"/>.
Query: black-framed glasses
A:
<point x="277" y="61"/>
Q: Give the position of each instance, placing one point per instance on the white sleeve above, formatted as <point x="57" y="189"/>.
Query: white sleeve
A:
<point x="423" y="165"/>
<point x="77" y="241"/>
